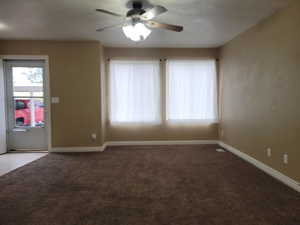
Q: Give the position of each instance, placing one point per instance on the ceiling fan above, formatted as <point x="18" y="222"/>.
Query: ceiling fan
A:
<point x="137" y="21"/>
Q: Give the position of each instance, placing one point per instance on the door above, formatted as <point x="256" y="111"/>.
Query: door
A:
<point x="26" y="108"/>
<point x="2" y="112"/>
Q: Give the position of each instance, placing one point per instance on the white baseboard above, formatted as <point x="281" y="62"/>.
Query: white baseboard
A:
<point x="77" y="149"/>
<point x="267" y="169"/>
<point x="178" y="142"/>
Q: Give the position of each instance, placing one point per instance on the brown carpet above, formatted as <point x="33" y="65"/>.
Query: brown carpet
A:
<point x="148" y="185"/>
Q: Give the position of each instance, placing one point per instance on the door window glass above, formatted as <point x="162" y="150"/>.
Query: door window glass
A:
<point x="28" y="96"/>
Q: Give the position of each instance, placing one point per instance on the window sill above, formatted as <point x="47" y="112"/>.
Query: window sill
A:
<point x="192" y="122"/>
<point x="134" y="124"/>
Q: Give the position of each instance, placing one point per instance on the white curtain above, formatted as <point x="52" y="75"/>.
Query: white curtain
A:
<point x="134" y="91"/>
<point x="192" y="90"/>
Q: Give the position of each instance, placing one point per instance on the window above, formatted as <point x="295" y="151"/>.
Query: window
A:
<point x="134" y="91"/>
<point x="192" y="90"/>
<point x="28" y="87"/>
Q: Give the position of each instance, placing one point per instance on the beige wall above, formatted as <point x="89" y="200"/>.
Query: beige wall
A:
<point x="75" y="79"/>
<point x="161" y="52"/>
<point x="163" y="131"/>
<point x="103" y="94"/>
<point x="260" y="83"/>
<point x="76" y="71"/>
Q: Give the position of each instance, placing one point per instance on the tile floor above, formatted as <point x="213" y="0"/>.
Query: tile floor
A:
<point x="12" y="161"/>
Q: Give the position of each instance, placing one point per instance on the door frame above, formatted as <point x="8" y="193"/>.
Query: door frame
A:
<point x="47" y="95"/>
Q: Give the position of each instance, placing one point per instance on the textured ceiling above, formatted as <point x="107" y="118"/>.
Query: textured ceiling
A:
<point x="207" y="23"/>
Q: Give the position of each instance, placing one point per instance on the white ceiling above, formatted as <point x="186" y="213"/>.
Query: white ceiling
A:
<point x="207" y="23"/>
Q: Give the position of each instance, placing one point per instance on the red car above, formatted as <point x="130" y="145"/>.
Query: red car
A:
<point x="23" y="113"/>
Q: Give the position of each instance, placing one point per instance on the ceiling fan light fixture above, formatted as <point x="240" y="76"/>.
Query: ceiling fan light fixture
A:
<point x="136" y="32"/>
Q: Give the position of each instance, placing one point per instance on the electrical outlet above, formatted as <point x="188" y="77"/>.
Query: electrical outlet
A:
<point x="94" y="136"/>
<point x="269" y="152"/>
<point x="285" y="158"/>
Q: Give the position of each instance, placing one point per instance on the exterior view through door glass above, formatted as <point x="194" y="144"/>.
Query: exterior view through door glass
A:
<point x="28" y="96"/>
<point x="26" y="104"/>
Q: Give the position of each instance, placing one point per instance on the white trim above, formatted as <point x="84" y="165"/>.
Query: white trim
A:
<point x="46" y="90"/>
<point x="175" y="142"/>
<point x="267" y="169"/>
<point x="78" y="149"/>
<point x="48" y="102"/>
<point x="24" y="57"/>
<point x="3" y="131"/>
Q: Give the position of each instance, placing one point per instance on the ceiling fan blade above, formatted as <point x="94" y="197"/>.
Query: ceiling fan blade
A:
<point x="154" y="24"/>
<point x="108" y="12"/>
<point x="153" y="12"/>
<point x="108" y="27"/>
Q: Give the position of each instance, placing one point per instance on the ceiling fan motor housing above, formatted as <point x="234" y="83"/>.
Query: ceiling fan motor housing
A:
<point x="137" y="9"/>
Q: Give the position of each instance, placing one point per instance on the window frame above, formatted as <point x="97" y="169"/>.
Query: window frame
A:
<point x="168" y="120"/>
<point x="109" y="97"/>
